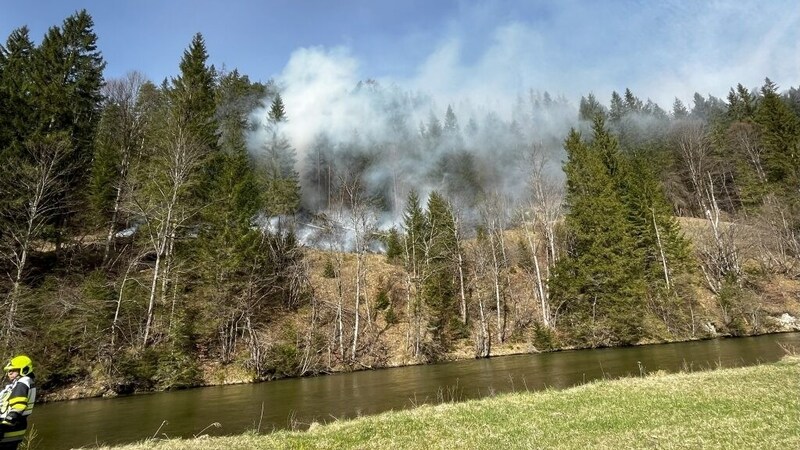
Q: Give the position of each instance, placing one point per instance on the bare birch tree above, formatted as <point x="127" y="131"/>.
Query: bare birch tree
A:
<point x="362" y="222"/>
<point x="544" y="212"/>
<point x="695" y="153"/>
<point x="125" y="137"/>
<point x="495" y="220"/>
<point x="34" y="200"/>
<point x="162" y="201"/>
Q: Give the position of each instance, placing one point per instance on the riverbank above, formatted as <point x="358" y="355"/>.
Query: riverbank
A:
<point x="95" y="387"/>
<point x="751" y="407"/>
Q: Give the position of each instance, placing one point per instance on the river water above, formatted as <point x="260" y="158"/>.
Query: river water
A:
<point x="298" y="402"/>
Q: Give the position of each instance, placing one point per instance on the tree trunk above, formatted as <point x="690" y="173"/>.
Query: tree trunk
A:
<point x="661" y="252"/>
<point x="357" y="305"/>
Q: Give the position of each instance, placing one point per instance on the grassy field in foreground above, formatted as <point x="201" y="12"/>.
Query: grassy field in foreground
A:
<point x="747" y="408"/>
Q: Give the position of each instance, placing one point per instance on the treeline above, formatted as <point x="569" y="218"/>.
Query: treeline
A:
<point x="148" y="231"/>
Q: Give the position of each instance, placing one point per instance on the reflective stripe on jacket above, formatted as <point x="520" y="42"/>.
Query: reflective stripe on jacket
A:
<point x="19" y="396"/>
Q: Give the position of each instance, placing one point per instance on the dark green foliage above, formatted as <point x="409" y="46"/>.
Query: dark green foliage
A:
<point x="657" y="233"/>
<point x="617" y="109"/>
<point x="414" y="226"/>
<point x="283" y="360"/>
<point x="61" y="80"/>
<point x="543" y="337"/>
<point x="135" y="370"/>
<point x="708" y="110"/>
<point x="439" y="289"/>
<point x="458" y="329"/>
<point x="590" y="108"/>
<point x="177" y="370"/>
<point x="280" y="180"/>
<point x="780" y="136"/>
<point x="679" y="110"/>
<point x="105" y="166"/>
<point x="329" y="271"/>
<point x="382" y="301"/>
<point x="741" y="104"/>
<point x="15" y="80"/>
<point x="459" y="176"/>
<point x="283" y="357"/>
<point x="391" y="317"/>
<point x="192" y="94"/>
<point x="600" y="277"/>
<point x="277" y="112"/>
<point x="394" y="246"/>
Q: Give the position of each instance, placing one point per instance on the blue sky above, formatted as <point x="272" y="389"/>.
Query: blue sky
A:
<point x="454" y="49"/>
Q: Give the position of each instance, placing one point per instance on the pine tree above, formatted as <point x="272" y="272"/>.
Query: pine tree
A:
<point x="66" y="77"/>
<point x="632" y="103"/>
<point x="277" y="163"/>
<point x="433" y="130"/>
<point x="450" y="122"/>
<point x="664" y="250"/>
<point x="780" y="136"/>
<point x="741" y="104"/>
<point x="15" y="82"/>
<point x="18" y="111"/>
<point x="414" y="227"/>
<point x="394" y="246"/>
<point x="228" y="246"/>
<point x="440" y="270"/>
<point x="600" y="276"/>
<point x="590" y="107"/>
<point x="192" y="94"/>
<point x="177" y="180"/>
<point x="617" y="110"/>
<point x="277" y="111"/>
<point x="679" y="110"/>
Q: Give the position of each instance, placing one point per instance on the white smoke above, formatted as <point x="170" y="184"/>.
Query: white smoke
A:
<point x="495" y="74"/>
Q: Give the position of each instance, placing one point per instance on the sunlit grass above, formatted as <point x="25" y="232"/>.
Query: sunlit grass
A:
<point x="753" y="407"/>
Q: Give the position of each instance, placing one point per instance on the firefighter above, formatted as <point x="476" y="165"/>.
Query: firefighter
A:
<point x="16" y="401"/>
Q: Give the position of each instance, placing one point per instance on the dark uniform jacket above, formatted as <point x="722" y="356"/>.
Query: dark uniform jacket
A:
<point x="16" y="404"/>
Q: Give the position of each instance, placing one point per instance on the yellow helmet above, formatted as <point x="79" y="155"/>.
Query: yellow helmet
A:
<point x="21" y="363"/>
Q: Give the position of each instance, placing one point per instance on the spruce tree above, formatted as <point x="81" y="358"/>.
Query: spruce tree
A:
<point x="192" y="94"/>
<point x="780" y="136"/>
<point x="617" y="110"/>
<point x="440" y="268"/>
<point x="66" y="77"/>
<point x="277" y="163"/>
<point x="15" y="82"/>
<point x="599" y="278"/>
<point x="414" y="227"/>
<point x="228" y="245"/>
<point x="664" y="251"/>
<point x="589" y="108"/>
<point x="277" y="111"/>
<point x="679" y="110"/>
<point x="450" y="122"/>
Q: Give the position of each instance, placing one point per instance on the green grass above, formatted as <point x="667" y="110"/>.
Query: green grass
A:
<point x="754" y="407"/>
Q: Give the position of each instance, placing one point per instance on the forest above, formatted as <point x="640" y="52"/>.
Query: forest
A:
<point x="161" y="235"/>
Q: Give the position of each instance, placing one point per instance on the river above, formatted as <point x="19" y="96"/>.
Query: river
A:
<point x="298" y="402"/>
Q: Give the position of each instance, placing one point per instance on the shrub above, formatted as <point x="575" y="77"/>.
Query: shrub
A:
<point x="382" y="300"/>
<point x="391" y="317"/>
<point x="329" y="271"/>
<point x="543" y="337"/>
<point x="282" y="360"/>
